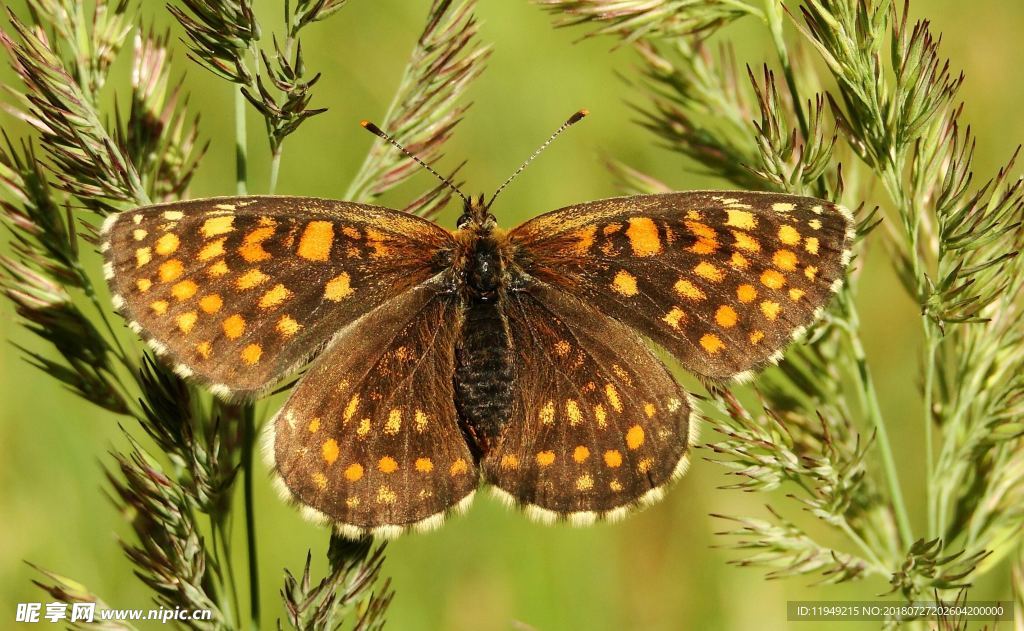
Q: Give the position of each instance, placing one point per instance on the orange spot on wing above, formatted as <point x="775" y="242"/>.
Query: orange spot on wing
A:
<point x="234" y="327"/>
<point x="745" y="241"/>
<point x="251" y="279"/>
<point x="547" y="413"/>
<point x="159" y="307"/>
<point x="278" y="294"/>
<point x="746" y="293"/>
<point x="643" y="236"/>
<point x="635" y="437"/>
<point x="287" y="326"/>
<point x="424" y="465"/>
<point x="170" y="270"/>
<point x="143" y="284"/>
<point x="376" y="240"/>
<point x="726" y="317"/>
<point x="584" y="240"/>
<point x="740" y="219"/>
<point x="770" y="309"/>
<point x="211" y="303"/>
<point x="204" y="349"/>
<point x="142" y="256"/>
<point x="789" y="235"/>
<point x="252" y="246"/>
<point x="811" y="244"/>
<point x="784" y="260"/>
<point x="810" y="272"/>
<point x="218" y="225"/>
<point x="315" y="242"/>
<point x="167" y="244"/>
<point x="572" y="411"/>
<point x="707" y="238"/>
<point x="184" y="290"/>
<point x="218" y="269"/>
<point x="212" y="250"/>
<point x="186" y="321"/>
<point x="354" y="472"/>
<point x="613" y="458"/>
<point x="709" y="271"/>
<point x="387" y="464"/>
<point x="580" y="454"/>
<point x="738" y="261"/>
<point x="458" y="467"/>
<point x="509" y="461"/>
<point x="338" y="288"/>
<point x="756" y="337"/>
<point x="624" y="283"/>
<point x="796" y="294"/>
<point x="674" y="317"/>
<point x="772" y="279"/>
<point x="251" y="354"/>
<point x="330" y="450"/>
<point x="712" y="343"/>
<point x="545" y="458"/>
<point x="687" y="289"/>
<point x="613" y="397"/>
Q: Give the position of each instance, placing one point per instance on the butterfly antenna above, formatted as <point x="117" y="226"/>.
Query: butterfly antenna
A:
<point x="377" y="131"/>
<point x="575" y="118"/>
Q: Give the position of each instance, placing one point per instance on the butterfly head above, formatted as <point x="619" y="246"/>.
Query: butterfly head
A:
<point x="476" y="216"/>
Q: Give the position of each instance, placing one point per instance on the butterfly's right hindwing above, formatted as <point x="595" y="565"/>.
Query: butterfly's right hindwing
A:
<point x="598" y="426"/>
<point x="238" y="291"/>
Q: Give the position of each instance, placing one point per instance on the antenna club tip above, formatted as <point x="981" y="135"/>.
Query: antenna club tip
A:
<point x="365" y="123"/>
<point x="575" y="118"/>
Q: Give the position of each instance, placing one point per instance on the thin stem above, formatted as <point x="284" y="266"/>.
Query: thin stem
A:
<point x="773" y="14"/>
<point x="871" y="407"/>
<point x="248" y="446"/>
<point x="247" y="415"/>
<point x="222" y="552"/>
<point x="241" y="145"/>
<point x="876" y="564"/>
<point x="929" y="456"/>
<point x="275" y="167"/>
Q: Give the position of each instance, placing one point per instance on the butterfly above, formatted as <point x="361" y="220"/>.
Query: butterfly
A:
<point x="442" y="359"/>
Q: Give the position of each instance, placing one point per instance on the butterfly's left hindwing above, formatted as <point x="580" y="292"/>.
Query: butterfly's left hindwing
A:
<point x="238" y="291"/>
<point x="722" y="279"/>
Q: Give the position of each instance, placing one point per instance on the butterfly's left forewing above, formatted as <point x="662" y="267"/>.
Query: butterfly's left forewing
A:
<point x="723" y="280"/>
<point x="238" y="291"/>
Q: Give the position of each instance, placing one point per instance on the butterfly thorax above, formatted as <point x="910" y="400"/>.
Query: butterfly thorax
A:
<point x="483" y="359"/>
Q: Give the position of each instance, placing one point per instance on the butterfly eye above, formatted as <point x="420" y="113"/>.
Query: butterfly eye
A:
<point x="463" y="221"/>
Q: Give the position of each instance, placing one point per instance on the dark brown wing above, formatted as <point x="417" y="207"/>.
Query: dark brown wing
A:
<point x="238" y="291"/>
<point x="369" y="440"/>
<point x="599" y="425"/>
<point x="723" y="280"/>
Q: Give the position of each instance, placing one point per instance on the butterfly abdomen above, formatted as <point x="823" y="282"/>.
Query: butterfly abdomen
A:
<point x="483" y="375"/>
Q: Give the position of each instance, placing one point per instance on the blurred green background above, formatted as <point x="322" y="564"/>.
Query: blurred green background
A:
<point x="491" y="569"/>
